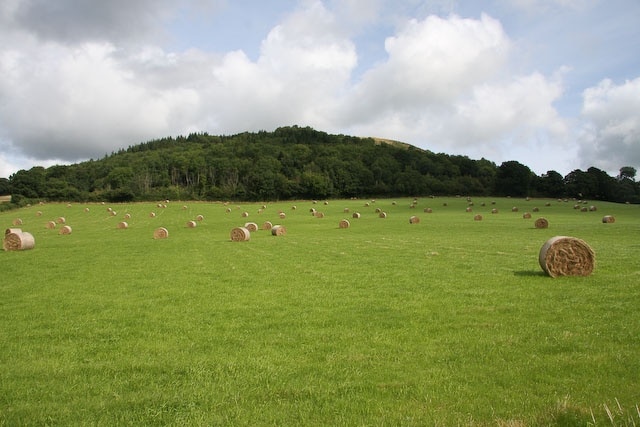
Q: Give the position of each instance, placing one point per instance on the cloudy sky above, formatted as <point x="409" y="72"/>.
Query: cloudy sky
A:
<point x="553" y="84"/>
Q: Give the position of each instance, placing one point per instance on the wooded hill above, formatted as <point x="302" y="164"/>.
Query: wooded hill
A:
<point x="298" y="163"/>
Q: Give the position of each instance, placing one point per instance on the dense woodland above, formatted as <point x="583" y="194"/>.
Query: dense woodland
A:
<point x="299" y="163"/>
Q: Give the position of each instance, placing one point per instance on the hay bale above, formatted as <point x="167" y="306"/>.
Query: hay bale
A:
<point x="199" y="218"/>
<point x="494" y="211"/>
<point x="86" y="209"/>
<point x="192" y="224"/>
<point x="428" y="210"/>
<point x="592" y="208"/>
<point x="185" y="207"/>
<point x="356" y="215"/>
<point x="541" y="223"/>
<point x="344" y="223"/>
<point x="278" y="230"/>
<point x="251" y="226"/>
<point x="17" y="221"/>
<point x="245" y="214"/>
<point x="114" y="213"/>
<point x="282" y="215"/>
<point x="566" y="256"/>
<point x="39" y="213"/>
<point x="61" y="220"/>
<point x="122" y="225"/>
<point x="152" y="215"/>
<point x="346" y="210"/>
<point x="319" y="215"/>
<point x="382" y="215"/>
<point x="18" y="241"/>
<point x="160" y="233"/>
<point x="514" y="209"/>
<point x="414" y="220"/>
<point x="526" y="215"/>
<point x="51" y="225"/>
<point x="65" y="230"/>
<point x="127" y="216"/>
<point x="608" y="219"/>
<point x="240" y="234"/>
<point x="267" y="225"/>
<point x="294" y="207"/>
<point x="468" y="209"/>
<point x="536" y="209"/>
<point x="477" y="217"/>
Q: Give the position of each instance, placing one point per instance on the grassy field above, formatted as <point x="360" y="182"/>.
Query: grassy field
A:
<point x="449" y="321"/>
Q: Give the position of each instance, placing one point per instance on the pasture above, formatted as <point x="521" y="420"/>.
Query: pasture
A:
<point x="446" y="321"/>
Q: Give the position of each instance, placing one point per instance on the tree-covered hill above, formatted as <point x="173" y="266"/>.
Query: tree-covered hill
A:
<point x="298" y="163"/>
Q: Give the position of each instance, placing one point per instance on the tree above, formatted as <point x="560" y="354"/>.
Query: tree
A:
<point x="5" y="187"/>
<point x="513" y="179"/>
<point x="551" y="184"/>
<point x="627" y="172"/>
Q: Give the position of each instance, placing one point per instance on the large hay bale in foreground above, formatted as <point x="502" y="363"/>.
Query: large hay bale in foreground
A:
<point x="65" y="230"/>
<point x="278" y="230"/>
<point x="566" y="256"/>
<point x="251" y="226"/>
<point x="608" y="219"/>
<point x="344" y="223"/>
<point x="541" y="223"/>
<point x="160" y="233"/>
<point x="18" y="241"/>
<point x="240" y="234"/>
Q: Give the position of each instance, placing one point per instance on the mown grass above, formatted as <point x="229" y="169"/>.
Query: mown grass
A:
<point x="446" y="322"/>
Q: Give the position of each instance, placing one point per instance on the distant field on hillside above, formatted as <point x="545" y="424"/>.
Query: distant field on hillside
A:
<point x="444" y="321"/>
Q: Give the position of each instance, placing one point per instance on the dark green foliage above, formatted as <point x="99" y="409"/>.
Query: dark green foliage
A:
<point x="293" y="163"/>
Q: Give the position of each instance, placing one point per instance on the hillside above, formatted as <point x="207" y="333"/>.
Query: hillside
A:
<point x="296" y="163"/>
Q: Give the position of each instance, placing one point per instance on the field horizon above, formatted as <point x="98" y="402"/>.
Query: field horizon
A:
<point x="445" y="320"/>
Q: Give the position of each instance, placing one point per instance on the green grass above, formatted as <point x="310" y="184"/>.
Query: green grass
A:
<point x="446" y="322"/>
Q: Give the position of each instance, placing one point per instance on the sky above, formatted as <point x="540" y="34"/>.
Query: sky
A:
<point x="552" y="84"/>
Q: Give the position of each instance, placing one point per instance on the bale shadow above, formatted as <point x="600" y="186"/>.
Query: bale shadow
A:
<point x="529" y="273"/>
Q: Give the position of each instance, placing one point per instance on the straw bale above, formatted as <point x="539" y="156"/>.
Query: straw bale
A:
<point x="477" y="217"/>
<point x="51" y="225"/>
<point x="608" y="219"/>
<point x="152" y="214"/>
<point x="344" y="224"/>
<point x="541" y="223"/>
<point x="267" y="225"/>
<point x="356" y="215"/>
<point x="199" y="218"/>
<point x="61" y="220"/>
<point x="65" y="230"/>
<point x="17" y="221"/>
<point x="18" y="241"/>
<point x="566" y="256"/>
<point x="192" y="224"/>
<point x="382" y="215"/>
<point x="526" y="215"/>
<point x="251" y="226"/>
<point x="160" y="233"/>
<point x="414" y="220"/>
<point x="123" y="224"/>
<point x="240" y="234"/>
<point x="278" y="230"/>
<point x="428" y="210"/>
<point x="39" y="213"/>
<point x="282" y="215"/>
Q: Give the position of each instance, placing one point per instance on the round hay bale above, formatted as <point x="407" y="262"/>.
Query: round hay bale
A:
<point x="86" y="209"/>
<point x="428" y="210"/>
<point x="414" y="220"/>
<point x="122" y="225"/>
<point x="114" y="213"/>
<point x="127" y="216"/>
<point x="61" y="220"/>
<point x="566" y="256"/>
<point x="240" y="234"/>
<point x="294" y="207"/>
<point x="282" y="215"/>
<point x="608" y="219"/>
<point x="184" y="208"/>
<point x="477" y="217"/>
<point x="18" y="241"/>
<point x="109" y="209"/>
<point x="541" y="223"/>
<point x="152" y="215"/>
<point x="378" y="210"/>
<point x="251" y="226"/>
<point x="526" y="215"/>
<point x="382" y="215"/>
<point x="468" y="209"/>
<point x="267" y="225"/>
<point x="356" y="215"/>
<point x="51" y="225"/>
<point x="536" y="209"/>
<point x="160" y="233"/>
<point x="199" y="218"/>
<point x="514" y="209"/>
<point x="245" y="214"/>
<point x="278" y="230"/>
<point x="319" y="215"/>
<point x="39" y="213"/>
<point x="17" y="221"/>
<point x="312" y="211"/>
<point x="65" y="230"/>
<point x="592" y="208"/>
<point x="344" y="224"/>
<point x="345" y="210"/>
<point x="192" y="224"/>
<point x="228" y="210"/>
<point x="494" y="211"/>
<point x="584" y="209"/>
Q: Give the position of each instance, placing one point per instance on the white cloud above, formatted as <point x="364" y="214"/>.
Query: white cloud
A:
<point x="610" y="138"/>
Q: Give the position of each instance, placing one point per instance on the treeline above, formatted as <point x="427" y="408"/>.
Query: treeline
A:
<point x="298" y="163"/>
